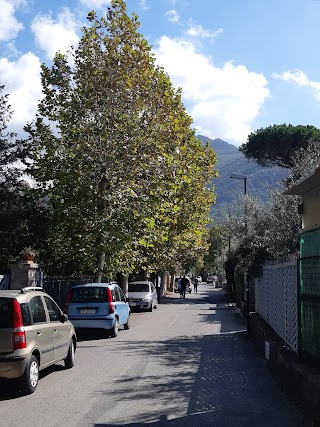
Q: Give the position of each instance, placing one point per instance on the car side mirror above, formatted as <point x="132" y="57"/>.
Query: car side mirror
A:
<point x="63" y="317"/>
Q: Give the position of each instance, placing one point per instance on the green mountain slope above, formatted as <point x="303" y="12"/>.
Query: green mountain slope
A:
<point x="232" y="161"/>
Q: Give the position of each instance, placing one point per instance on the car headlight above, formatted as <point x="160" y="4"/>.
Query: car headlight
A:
<point x="146" y="299"/>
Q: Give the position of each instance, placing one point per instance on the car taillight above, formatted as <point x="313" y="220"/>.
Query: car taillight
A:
<point x="109" y="299"/>
<point x="68" y="301"/>
<point x="19" y="333"/>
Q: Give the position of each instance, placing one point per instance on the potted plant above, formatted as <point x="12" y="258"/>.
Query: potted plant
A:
<point x="28" y="254"/>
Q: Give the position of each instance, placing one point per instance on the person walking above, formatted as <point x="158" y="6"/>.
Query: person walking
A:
<point x="215" y="281"/>
<point x="183" y="283"/>
<point x="195" y="285"/>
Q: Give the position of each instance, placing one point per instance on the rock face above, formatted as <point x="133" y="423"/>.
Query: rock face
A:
<point x="231" y="161"/>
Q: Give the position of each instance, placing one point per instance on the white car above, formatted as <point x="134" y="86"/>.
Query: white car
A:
<point x="142" y="295"/>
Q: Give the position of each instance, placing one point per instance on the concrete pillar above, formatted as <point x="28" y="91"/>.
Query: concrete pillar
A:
<point x="23" y="274"/>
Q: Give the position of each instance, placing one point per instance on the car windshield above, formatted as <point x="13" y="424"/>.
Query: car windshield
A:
<point x="139" y="287"/>
<point x="84" y="294"/>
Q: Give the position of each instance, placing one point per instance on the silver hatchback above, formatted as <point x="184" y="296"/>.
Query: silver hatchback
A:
<point x="34" y="334"/>
<point x="142" y="295"/>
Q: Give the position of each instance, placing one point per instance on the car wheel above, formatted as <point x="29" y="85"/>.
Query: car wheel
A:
<point x="115" y="328"/>
<point x="30" y="378"/>
<point x="69" y="360"/>
<point x="127" y="325"/>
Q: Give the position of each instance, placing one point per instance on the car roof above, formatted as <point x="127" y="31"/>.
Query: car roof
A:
<point x="14" y="293"/>
<point x="100" y="285"/>
<point x="144" y="282"/>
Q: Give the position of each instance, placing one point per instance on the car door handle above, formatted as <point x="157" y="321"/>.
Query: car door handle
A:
<point x="38" y="333"/>
<point x="55" y="330"/>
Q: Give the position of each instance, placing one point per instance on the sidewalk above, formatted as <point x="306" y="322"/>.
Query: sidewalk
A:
<point x="298" y="379"/>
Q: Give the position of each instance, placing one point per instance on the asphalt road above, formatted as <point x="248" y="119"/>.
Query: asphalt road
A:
<point x="188" y="363"/>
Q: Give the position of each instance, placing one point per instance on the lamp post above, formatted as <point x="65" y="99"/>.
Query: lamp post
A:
<point x="245" y="177"/>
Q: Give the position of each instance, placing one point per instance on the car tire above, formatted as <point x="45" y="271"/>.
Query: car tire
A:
<point x="127" y="325"/>
<point x="69" y="360"/>
<point x="30" y="378"/>
<point x="114" y="329"/>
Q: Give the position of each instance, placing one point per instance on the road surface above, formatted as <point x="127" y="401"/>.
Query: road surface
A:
<point x="188" y="363"/>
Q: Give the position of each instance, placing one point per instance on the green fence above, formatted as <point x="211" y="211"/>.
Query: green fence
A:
<point x="309" y="297"/>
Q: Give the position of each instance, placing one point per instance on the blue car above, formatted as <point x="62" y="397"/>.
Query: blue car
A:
<point x="98" y="306"/>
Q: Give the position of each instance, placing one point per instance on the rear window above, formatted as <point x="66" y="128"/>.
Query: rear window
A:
<point x="89" y="295"/>
<point x="138" y="287"/>
<point x="6" y="315"/>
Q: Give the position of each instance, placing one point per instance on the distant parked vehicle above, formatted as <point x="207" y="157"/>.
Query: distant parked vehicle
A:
<point x="34" y="334"/>
<point x="98" y="306"/>
<point x="142" y="295"/>
<point x="210" y="279"/>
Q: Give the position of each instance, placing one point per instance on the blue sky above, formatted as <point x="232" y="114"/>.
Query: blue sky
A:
<point x="242" y="64"/>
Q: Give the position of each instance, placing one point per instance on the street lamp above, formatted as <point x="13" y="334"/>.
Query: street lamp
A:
<point x="245" y="177"/>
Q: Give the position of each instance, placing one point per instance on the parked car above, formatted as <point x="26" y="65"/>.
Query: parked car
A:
<point x="98" y="306"/>
<point x="142" y="295"/>
<point x="210" y="279"/>
<point x="34" y="334"/>
<point x="176" y="286"/>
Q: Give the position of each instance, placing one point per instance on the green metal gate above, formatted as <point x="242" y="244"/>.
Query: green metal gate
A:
<point x="309" y="297"/>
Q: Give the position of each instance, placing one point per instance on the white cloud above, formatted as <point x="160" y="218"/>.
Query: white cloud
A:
<point x="144" y="4"/>
<point x="224" y="101"/>
<point x="173" y="16"/>
<point x="55" y="35"/>
<point x="9" y="25"/>
<point x="199" y="31"/>
<point x="300" y="79"/>
<point x="22" y="82"/>
<point x="96" y="4"/>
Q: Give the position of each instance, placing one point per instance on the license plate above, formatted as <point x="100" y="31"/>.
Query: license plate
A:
<point x="88" y="311"/>
<point x="133" y="304"/>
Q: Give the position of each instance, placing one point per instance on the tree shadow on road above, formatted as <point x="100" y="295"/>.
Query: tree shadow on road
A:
<point x="224" y="383"/>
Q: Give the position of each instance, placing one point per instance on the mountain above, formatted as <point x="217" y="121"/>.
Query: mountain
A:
<point x="231" y="161"/>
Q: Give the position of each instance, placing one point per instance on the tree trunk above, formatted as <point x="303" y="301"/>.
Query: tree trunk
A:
<point x="100" y="265"/>
<point x="101" y="205"/>
<point x="123" y="282"/>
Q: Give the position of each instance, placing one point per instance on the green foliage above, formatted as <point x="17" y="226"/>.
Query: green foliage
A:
<point x="24" y="220"/>
<point x="113" y="150"/>
<point x="277" y="145"/>
<point x="272" y="231"/>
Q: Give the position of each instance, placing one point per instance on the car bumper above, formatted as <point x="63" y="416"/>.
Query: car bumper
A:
<point x="12" y="367"/>
<point x="139" y="305"/>
<point x="92" y="323"/>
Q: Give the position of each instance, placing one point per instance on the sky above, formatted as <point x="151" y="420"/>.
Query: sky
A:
<point x="241" y="64"/>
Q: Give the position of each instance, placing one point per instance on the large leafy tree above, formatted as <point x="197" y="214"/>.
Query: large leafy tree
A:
<point x="112" y="149"/>
<point x="277" y="145"/>
<point x="23" y="217"/>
